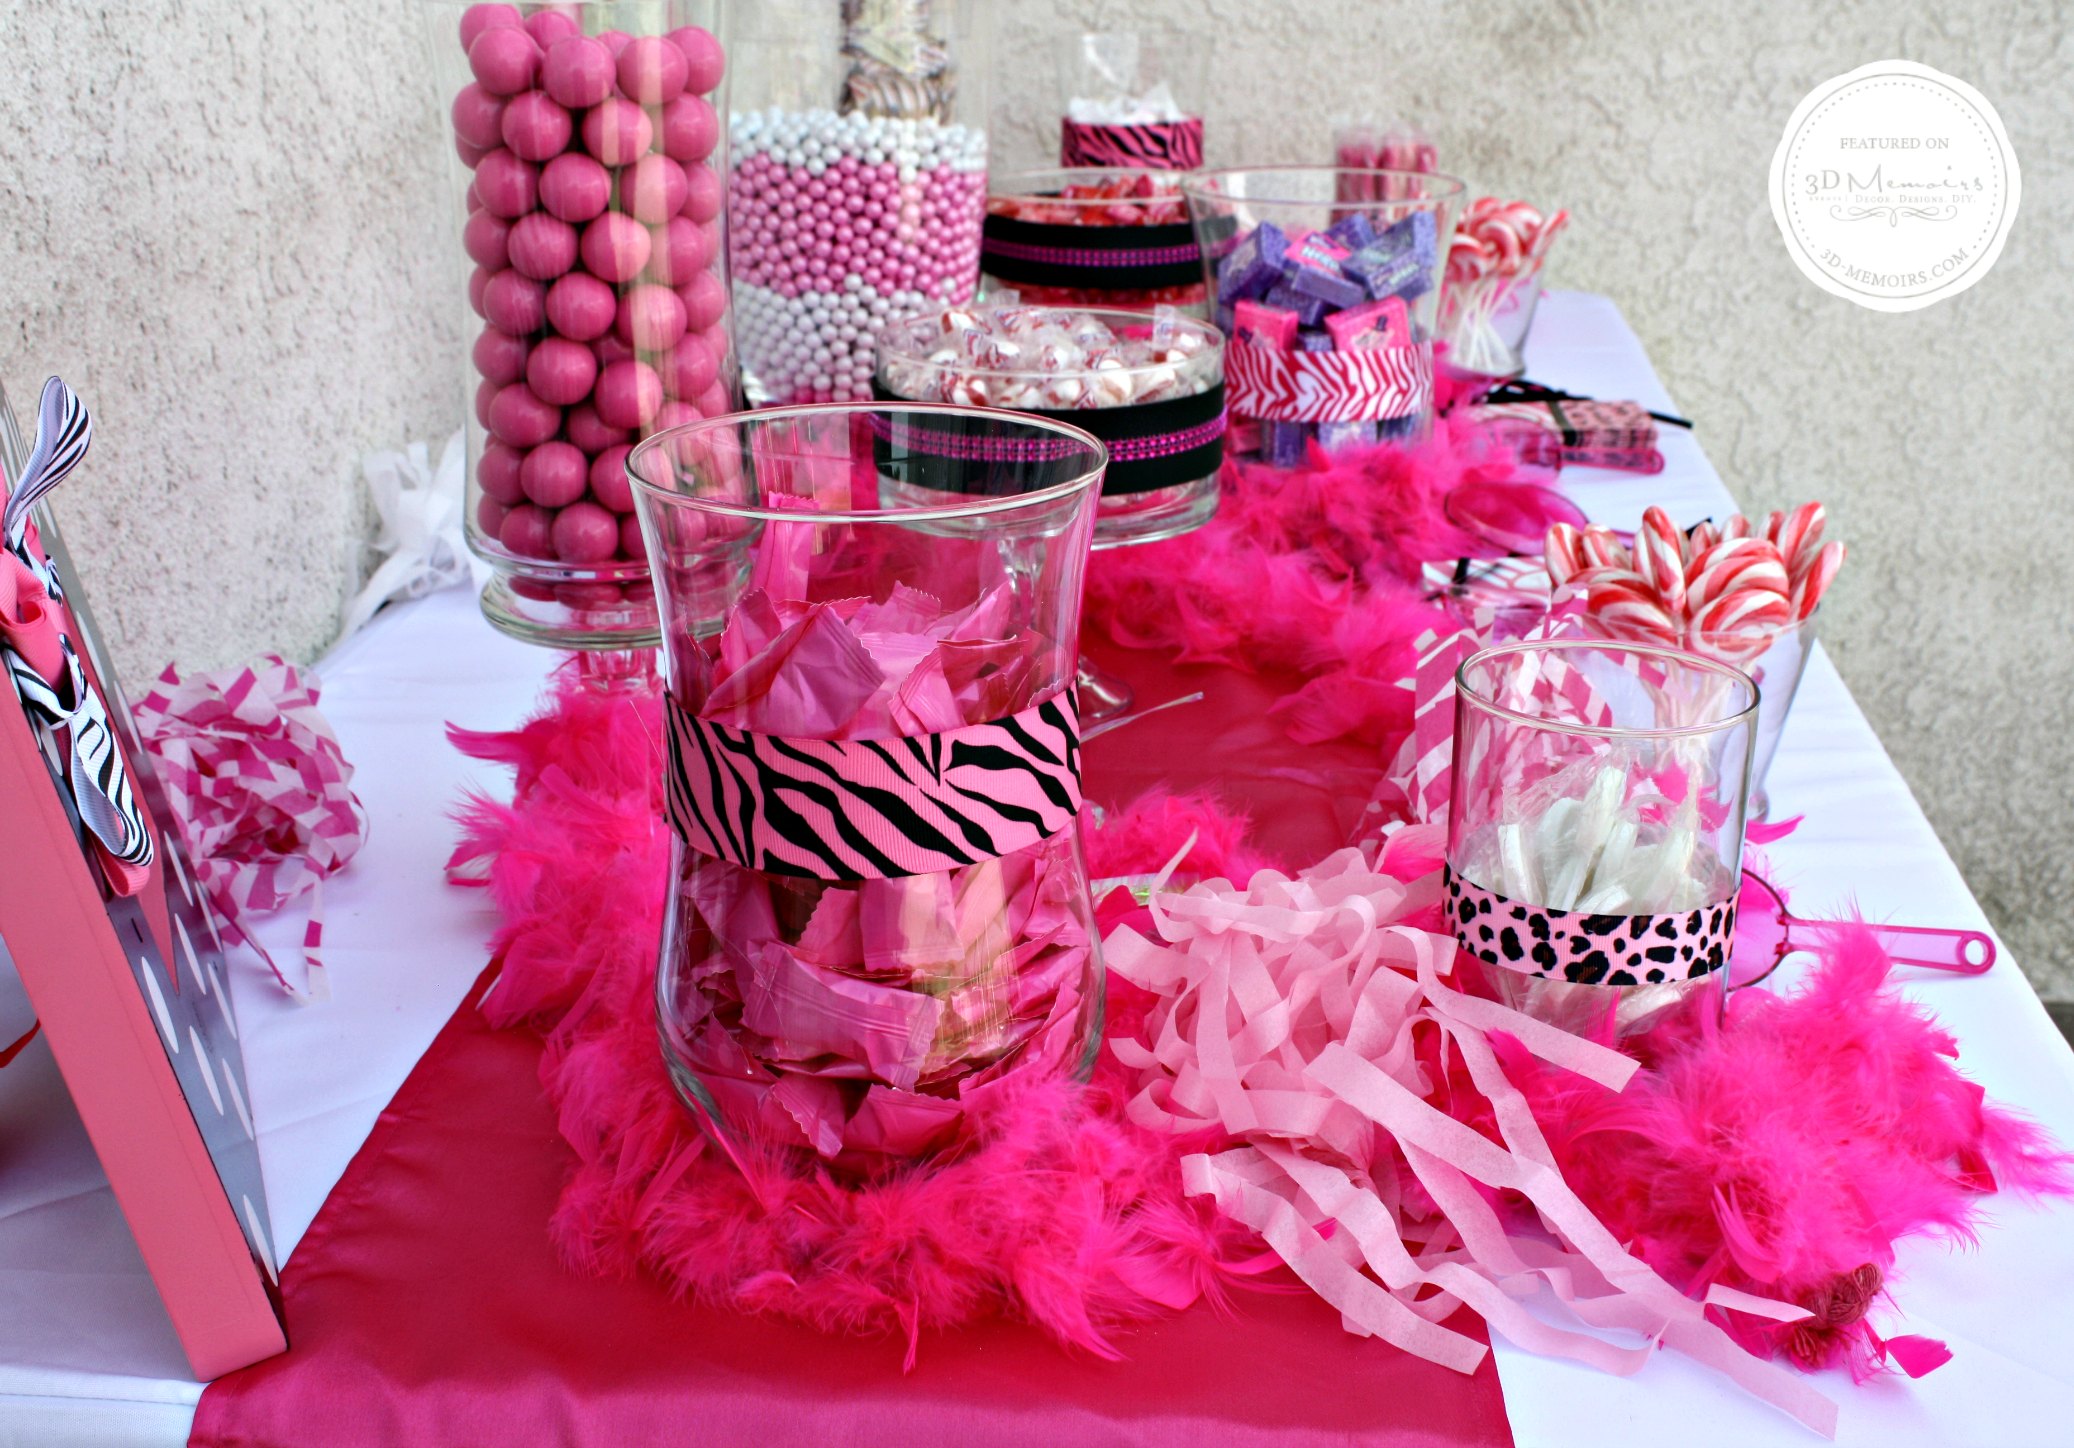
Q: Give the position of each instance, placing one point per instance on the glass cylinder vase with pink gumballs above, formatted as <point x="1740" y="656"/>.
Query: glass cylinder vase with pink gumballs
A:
<point x="588" y="153"/>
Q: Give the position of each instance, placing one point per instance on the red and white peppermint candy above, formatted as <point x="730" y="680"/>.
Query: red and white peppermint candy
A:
<point x="1600" y="549"/>
<point x="1561" y="553"/>
<point x="1810" y="586"/>
<point x="1797" y="535"/>
<point x="1731" y="565"/>
<point x="1627" y="607"/>
<point x="1660" y="558"/>
<point x="1751" y="613"/>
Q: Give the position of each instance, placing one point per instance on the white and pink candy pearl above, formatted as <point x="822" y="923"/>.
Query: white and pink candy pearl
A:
<point x="837" y="223"/>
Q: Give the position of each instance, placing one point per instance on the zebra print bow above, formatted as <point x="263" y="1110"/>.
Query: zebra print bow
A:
<point x="99" y="777"/>
<point x="64" y="429"/>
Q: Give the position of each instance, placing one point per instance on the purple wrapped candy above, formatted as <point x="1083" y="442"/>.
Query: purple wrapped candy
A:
<point x="1336" y="436"/>
<point x="1352" y="232"/>
<point x="1310" y="310"/>
<point x="1254" y="266"/>
<point x="1312" y="339"/>
<point x="1284" y="442"/>
<point x="1313" y="268"/>
<point x="1400" y="262"/>
<point x="1224" y="316"/>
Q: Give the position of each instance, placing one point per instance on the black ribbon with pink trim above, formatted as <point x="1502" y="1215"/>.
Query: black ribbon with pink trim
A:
<point x="1099" y="258"/>
<point x="1151" y="444"/>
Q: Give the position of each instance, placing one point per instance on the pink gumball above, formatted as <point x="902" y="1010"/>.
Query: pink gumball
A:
<point x="561" y="371"/>
<point x="705" y="301"/>
<point x="478" y="116"/>
<point x="509" y="186"/>
<point x="486" y="239"/>
<point x="585" y="533"/>
<point x="498" y="473"/>
<point x="690" y="368"/>
<point x="615" y="41"/>
<point x="690" y="129"/>
<point x="490" y="515"/>
<point x="574" y="187"/>
<point x="674" y="414"/>
<point x="651" y="70"/>
<point x="542" y="247"/>
<point x="514" y="303"/>
<point x="581" y="306"/>
<point x="653" y="189"/>
<point x="617" y="132"/>
<point x="608" y="479"/>
<point x="682" y="250"/>
<point x="528" y="588"/>
<point x="521" y="419"/>
<point x="628" y="393"/>
<point x="477" y="281"/>
<point x="505" y="60"/>
<point x="609" y="349"/>
<point x="630" y="544"/>
<point x="471" y="156"/>
<point x="473" y="197"/>
<point x="485" y="394"/>
<point x="528" y="531"/>
<point x="577" y="72"/>
<point x="704" y="61"/>
<point x="534" y="127"/>
<point x="553" y="474"/>
<point x="714" y="401"/>
<point x="703" y="194"/>
<point x="590" y="597"/>
<point x="583" y="428"/>
<point x="499" y="356"/>
<point x="650" y="318"/>
<point x="552" y="27"/>
<point x="616" y="247"/>
<point x="478" y="18"/>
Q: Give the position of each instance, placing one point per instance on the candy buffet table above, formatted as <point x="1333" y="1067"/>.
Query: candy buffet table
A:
<point x="86" y="1354"/>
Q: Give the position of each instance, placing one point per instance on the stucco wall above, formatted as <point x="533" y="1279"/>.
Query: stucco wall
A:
<point x="220" y="223"/>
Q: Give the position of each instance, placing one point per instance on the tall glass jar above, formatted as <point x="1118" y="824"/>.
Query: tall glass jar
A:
<point x="859" y="153"/>
<point x="878" y="917"/>
<point x="587" y="202"/>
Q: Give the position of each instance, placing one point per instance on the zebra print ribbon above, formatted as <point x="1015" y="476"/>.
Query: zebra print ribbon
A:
<point x="64" y="429"/>
<point x="99" y="777"/>
<point x="874" y="809"/>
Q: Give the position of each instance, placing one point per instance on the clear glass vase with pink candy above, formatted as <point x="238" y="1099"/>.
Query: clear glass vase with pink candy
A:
<point x="858" y="147"/>
<point x="587" y="196"/>
<point x="879" y="921"/>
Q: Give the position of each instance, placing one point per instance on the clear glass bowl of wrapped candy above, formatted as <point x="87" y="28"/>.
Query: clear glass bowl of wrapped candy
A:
<point x="1092" y="236"/>
<point x="1151" y="386"/>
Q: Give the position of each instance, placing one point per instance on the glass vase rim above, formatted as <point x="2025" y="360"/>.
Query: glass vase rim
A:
<point x="982" y="506"/>
<point x="1213" y="338"/>
<point x="1200" y="185"/>
<point x="1681" y="658"/>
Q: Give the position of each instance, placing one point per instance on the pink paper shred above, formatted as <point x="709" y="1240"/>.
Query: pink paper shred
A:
<point x="262" y="791"/>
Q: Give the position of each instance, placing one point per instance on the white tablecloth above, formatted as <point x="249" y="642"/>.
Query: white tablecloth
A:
<point x="86" y="1353"/>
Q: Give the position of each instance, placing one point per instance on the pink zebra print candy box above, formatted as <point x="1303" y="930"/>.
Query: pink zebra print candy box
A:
<point x="114" y="941"/>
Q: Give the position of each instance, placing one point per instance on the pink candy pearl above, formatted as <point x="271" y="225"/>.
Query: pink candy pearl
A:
<point x="679" y="252"/>
<point x="617" y="132"/>
<point x="550" y="27"/>
<point x="705" y="301"/>
<point x="630" y="544"/>
<point x="628" y="393"/>
<point x="609" y="349"/>
<point x="553" y="474"/>
<point x="608" y="479"/>
<point x="583" y="428"/>
<point x="485" y="238"/>
<point x="690" y="129"/>
<point x="520" y="418"/>
<point x="574" y="187"/>
<point x="504" y="59"/>
<point x="542" y="247"/>
<point x="577" y="72"/>
<point x="650" y="319"/>
<point x="498" y="474"/>
<point x="585" y="533"/>
<point x="509" y="187"/>
<point x="714" y="401"/>
<point x="653" y="188"/>
<point x="499" y="356"/>
<point x="485" y="394"/>
<point x="490" y="515"/>
<point x="478" y="18"/>
<point x="588" y="597"/>
<point x="478" y="280"/>
<point x="528" y="531"/>
<point x="616" y="247"/>
<point x="651" y="70"/>
<point x="615" y="41"/>
<point x="514" y="304"/>
<point x="703" y="195"/>
<point x="703" y="58"/>
<point x="478" y="116"/>
<point x="581" y="306"/>
<point x="561" y="372"/>
<point x="690" y="368"/>
<point x="534" y="127"/>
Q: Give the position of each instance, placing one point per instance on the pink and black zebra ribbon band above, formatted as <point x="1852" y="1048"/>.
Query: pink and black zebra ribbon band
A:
<point x="874" y="809"/>
<point x="1374" y="385"/>
<point x="1095" y="258"/>
<point x="1151" y="444"/>
<point x="1149" y="146"/>
<point x="1587" y="949"/>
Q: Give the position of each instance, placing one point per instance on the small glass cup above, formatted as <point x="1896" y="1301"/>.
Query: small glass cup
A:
<point x="1595" y="829"/>
<point x="1777" y="665"/>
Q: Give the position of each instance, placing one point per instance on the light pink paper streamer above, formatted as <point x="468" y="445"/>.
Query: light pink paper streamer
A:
<point x="1286" y="1019"/>
<point x="262" y="792"/>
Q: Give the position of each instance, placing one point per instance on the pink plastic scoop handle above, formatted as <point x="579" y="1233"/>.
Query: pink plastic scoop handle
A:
<point x="1963" y="952"/>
